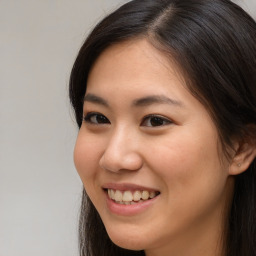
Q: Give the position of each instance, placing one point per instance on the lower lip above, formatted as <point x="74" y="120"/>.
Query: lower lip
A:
<point x="130" y="209"/>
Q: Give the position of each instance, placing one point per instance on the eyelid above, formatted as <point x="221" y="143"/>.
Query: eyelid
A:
<point x="165" y="119"/>
<point x="87" y="118"/>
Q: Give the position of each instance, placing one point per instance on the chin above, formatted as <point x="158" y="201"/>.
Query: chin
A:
<point x="133" y="245"/>
<point x="127" y="240"/>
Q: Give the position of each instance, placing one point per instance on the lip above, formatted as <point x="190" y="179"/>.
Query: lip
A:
<point x="130" y="209"/>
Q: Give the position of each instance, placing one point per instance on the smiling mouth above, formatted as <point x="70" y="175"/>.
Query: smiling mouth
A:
<point x="131" y="197"/>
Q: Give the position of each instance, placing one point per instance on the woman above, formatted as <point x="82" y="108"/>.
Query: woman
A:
<point x="164" y="93"/>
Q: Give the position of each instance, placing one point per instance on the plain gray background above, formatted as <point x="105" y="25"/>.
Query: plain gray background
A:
<point x="39" y="188"/>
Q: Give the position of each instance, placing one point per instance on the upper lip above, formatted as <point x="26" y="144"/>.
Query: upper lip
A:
<point x="127" y="186"/>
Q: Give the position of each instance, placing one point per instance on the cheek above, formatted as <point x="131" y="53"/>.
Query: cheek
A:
<point x="86" y="157"/>
<point x="191" y="175"/>
<point x="186" y="161"/>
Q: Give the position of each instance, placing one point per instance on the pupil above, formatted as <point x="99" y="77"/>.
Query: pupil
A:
<point x="101" y="119"/>
<point x="156" y="121"/>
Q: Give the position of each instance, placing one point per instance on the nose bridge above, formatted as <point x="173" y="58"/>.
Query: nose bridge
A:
<point x="121" y="151"/>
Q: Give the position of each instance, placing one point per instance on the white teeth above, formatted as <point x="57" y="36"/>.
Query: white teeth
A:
<point x="118" y="196"/>
<point x="152" y="194"/>
<point x="137" y="195"/>
<point x="145" y="195"/>
<point x="112" y="193"/>
<point x="127" y="197"/>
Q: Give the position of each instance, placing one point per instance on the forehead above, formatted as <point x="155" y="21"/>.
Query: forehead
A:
<point x="133" y="63"/>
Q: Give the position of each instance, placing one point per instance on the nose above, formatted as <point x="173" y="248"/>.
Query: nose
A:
<point x="122" y="152"/>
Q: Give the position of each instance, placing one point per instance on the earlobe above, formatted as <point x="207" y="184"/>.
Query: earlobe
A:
<point x="244" y="156"/>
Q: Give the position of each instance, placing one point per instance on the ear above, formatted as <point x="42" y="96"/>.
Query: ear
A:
<point x="244" y="156"/>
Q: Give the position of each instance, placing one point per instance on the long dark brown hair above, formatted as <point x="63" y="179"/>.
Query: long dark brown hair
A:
<point x="214" y="44"/>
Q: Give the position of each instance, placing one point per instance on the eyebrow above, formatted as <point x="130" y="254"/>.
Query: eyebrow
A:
<point x="156" y="99"/>
<point x="95" y="99"/>
<point x="141" y="102"/>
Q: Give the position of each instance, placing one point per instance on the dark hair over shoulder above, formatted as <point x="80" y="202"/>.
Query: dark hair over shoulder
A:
<point x="214" y="45"/>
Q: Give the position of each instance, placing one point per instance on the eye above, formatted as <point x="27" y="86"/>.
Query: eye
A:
<point x="155" y="120"/>
<point x="96" y="118"/>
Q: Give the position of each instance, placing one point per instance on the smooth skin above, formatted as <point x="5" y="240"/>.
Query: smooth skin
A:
<point x="142" y="126"/>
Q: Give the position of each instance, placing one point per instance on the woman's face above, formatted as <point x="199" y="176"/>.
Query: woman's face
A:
<point x="148" y="155"/>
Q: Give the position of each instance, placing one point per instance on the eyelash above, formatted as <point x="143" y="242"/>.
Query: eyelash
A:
<point x="162" y="121"/>
<point x="158" y="118"/>
<point x="88" y="118"/>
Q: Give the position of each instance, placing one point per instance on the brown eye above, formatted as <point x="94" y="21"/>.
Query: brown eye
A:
<point x="96" y="118"/>
<point x="154" y="121"/>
